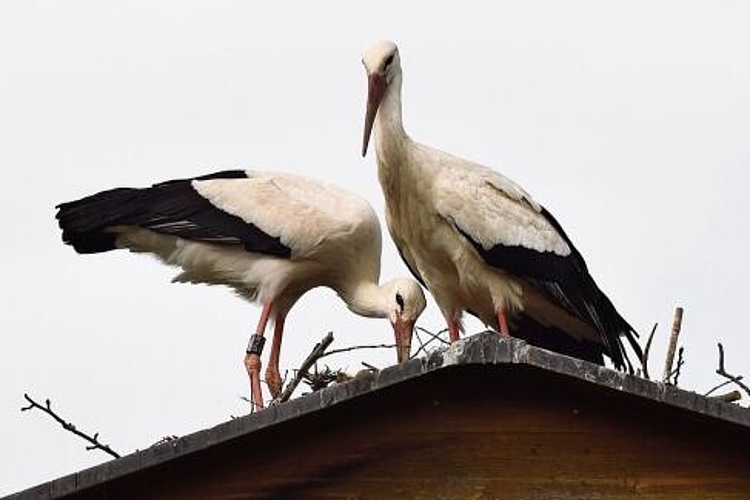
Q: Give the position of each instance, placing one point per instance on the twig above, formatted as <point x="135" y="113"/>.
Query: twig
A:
<point x="723" y="384"/>
<point x="419" y="339"/>
<point x="729" y="397"/>
<point x="646" y="351"/>
<point x="433" y="337"/>
<point x="731" y="378"/>
<point x="676" y="325"/>
<point x="316" y="353"/>
<point x="94" y="440"/>
<point x="325" y="377"/>
<point x="354" y="348"/>
<point x="675" y="375"/>
<point x="370" y="367"/>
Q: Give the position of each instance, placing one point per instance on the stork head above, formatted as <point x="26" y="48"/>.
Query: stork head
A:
<point x="383" y="65"/>
<point x="405" y="302"/>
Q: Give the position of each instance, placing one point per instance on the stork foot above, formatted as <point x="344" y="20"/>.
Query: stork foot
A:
<point x="253" y="365"/>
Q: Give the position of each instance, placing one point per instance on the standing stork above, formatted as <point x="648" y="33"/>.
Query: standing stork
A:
<point x="269" y="236"/>
<point x="479" y="242"/>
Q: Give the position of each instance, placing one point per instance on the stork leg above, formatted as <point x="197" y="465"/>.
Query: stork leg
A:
<point x="273" y="377"/>
<point x="252" y="357"/>
<point x="502" y="321"/>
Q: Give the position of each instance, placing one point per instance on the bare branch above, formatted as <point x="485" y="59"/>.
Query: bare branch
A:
<point x="356" y="347"/>
<point x="736" y="379"/>
<point x="723" y="384"/>
<point x="676" y="325"/>
<point x="419" y="339"/>
<point x="370" y="367"/>
<point x="433" y="337"/>
<point x="316" y="353"/>
<point x="646" y="351"/>
<point x="94" y="440"/>
<point x="675" y="375"/>
<point x="729" y="397"/>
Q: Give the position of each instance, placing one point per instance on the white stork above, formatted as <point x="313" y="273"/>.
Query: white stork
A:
<point x="479" y="242"/>
<point x="269" y="236"/>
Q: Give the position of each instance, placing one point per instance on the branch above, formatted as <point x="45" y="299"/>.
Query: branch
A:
<point x="676" y="325"/>
<point x="646" y="351"/>
<point x="433" y="337"/>
<point x="373" y="369"/>
<point x="729" y="397"/>
<point x="675" y="374"/>
<point x="316" y="353"/>
<point x="731" y="378"/>
<point x="94" y="440"/>
<point x="354" y="348"/>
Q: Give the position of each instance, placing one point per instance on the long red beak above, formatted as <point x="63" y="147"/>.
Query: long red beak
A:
<point x="403" y="330"/>
<point x="375" y="89"/>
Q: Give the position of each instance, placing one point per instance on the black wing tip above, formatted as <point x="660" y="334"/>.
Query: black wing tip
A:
<point x="172" y="207"/>
<point x="553" y="339"/>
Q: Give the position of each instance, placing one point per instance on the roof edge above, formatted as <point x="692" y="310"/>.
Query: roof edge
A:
<point x="486" y="348"/>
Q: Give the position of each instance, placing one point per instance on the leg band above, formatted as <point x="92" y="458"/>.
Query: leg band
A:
<point x="255" y="345"/>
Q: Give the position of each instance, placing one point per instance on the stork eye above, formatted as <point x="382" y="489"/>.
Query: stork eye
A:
<point x="388" y="61"/>
<point x="400" y="301"/>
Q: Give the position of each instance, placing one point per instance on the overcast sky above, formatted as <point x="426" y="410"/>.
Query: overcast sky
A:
<point x="630" y="121"/>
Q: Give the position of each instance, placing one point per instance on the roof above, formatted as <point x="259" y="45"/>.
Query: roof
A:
<point x="484" y="350"/>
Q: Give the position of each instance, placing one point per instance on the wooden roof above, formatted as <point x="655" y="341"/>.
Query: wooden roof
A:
<point x="481" y="367"/>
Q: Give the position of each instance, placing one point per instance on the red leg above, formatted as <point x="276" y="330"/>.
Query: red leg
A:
<point x="503" y="322"/>
<point x="454" y="330"/>
<point x="252" y="358"/>
<point x="273" y="377"/>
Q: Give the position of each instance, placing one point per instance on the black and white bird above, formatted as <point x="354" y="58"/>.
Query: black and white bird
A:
<point x="479" y="242"/>
<point x="269" y="236"/>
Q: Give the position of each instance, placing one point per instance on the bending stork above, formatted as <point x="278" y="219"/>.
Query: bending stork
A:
<point x="479" y="242"/>
<point x="270" y="237"/>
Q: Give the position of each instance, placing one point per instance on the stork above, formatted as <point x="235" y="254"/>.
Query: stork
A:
<point x="479" y="242"/>
<point x="269" y="236"/>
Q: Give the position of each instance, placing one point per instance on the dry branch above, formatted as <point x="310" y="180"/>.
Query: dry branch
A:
<point x="316" y="353"/>
<point x="736" y="379"/>
<point x="94" y="440"/>
<point x="433" y="337"/>
<point x="356" y="347"/>
<point x="676" y="325"/>
<point x="370" y="368"/>
<point x="729" y="397"/>
<point x="675" y="375"/>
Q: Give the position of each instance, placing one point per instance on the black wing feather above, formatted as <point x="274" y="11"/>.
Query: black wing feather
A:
<point x="171" y="207"/>
<point x="566" y="281"/>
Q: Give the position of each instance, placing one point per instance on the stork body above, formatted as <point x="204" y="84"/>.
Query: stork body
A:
<point x="271" y="237"/>
<point x="478" y="241"/>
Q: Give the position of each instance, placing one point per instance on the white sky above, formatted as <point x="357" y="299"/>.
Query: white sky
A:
<point x="630" y="121"/>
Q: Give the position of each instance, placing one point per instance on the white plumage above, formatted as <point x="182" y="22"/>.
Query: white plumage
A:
<point x="478" y="241"/>
<point x="269" y="236"/>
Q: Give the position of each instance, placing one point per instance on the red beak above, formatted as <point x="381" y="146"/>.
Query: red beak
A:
<point x="376" y="86"/>
<point x="403" y="330"/>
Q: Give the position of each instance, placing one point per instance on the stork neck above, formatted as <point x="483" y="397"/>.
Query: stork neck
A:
<point x="389" y="127"/>
<point x="366" y="299"/>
